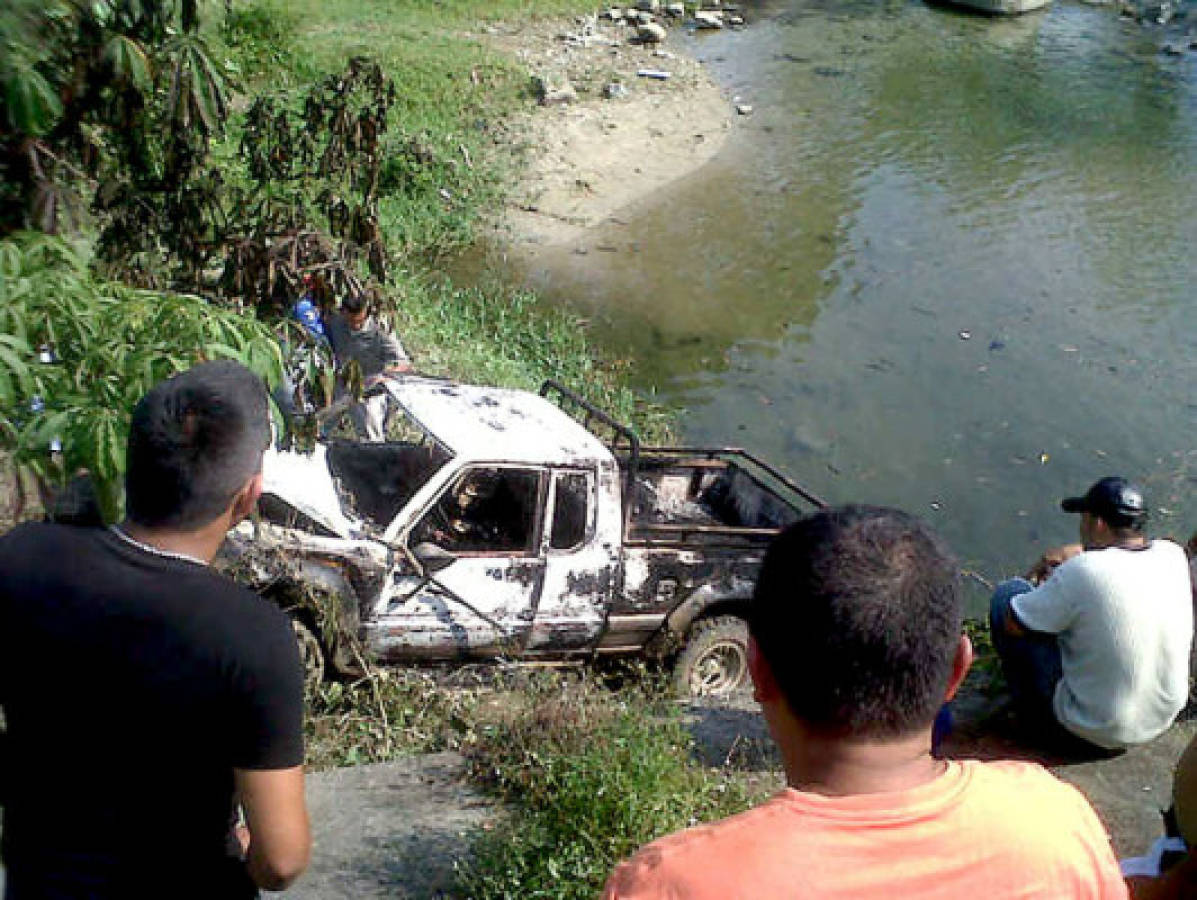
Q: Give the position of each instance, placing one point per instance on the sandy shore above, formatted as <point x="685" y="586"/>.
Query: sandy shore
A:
<point x="624" y="136"/>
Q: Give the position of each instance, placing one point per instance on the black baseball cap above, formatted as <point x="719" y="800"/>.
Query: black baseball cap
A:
<point x="1113" y="500"/>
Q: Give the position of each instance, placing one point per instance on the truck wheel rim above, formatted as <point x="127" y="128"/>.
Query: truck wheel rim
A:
<point x="720" y="670"/>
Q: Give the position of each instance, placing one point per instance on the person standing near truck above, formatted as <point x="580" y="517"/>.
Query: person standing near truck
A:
<point x="146" y="696"/>
<point x="357" y="336"/>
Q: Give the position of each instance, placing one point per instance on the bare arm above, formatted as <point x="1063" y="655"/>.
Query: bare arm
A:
<point x="1047" y="563"/>
<point x="280" y="841"/>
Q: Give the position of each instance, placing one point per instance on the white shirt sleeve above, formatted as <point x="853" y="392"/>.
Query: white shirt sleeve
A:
<point x="1051" y="607"/>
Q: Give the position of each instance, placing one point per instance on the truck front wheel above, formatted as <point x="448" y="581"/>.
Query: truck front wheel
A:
<point x="714" y="660"/>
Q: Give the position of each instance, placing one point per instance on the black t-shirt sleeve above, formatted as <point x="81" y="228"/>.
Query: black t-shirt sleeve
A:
<point x="268" y="697"/>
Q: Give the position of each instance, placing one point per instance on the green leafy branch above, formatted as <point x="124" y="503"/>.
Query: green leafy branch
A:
<point x="76" y="354"/>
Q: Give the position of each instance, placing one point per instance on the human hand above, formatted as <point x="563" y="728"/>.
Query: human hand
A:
<point x="241" y="833"/>
<point x="1049" y="561"/>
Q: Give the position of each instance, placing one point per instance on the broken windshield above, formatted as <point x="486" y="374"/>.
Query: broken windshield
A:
<point x="375" y="480"/>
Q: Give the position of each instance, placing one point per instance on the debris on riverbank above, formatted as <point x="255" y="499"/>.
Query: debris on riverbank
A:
<point x="624" y="110"/>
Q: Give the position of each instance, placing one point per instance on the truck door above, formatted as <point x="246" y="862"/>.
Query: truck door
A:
<point x="485" y="572"/>
<point x="580" y="568"/>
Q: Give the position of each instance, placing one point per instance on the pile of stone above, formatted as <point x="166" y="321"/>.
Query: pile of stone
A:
<point x="600" y="36"/>
<point x="1158" y="12"/>
<point x="648" y="17"/>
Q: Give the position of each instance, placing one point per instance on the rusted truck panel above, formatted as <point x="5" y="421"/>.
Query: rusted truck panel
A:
<point x="494" y="523"/>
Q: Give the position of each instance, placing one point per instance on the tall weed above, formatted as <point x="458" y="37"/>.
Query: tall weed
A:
<point x="593" y="775"/>
<point x="387" y="713"/>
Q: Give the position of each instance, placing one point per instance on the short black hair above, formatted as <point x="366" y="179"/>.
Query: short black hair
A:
<point x="858" y="613"/>
<point x="354" y="303"/>
<point x="194" y="441"/>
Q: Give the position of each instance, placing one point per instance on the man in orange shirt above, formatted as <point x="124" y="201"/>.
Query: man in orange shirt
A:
<point x="855" y="643"/>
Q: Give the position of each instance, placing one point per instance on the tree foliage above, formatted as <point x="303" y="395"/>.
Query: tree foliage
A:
<point x="107" y="100"/>
<point x="76" y="354"/>
<point x="111" y="106"/>
<point x="311" y="204"/>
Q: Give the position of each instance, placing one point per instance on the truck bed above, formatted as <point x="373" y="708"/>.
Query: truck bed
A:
<point x="709" y="497"/>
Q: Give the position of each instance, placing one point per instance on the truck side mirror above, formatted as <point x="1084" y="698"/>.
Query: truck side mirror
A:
<point x="432" y="557"/>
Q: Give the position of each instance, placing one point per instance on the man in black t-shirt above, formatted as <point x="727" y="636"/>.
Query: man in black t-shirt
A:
<point x="145" y="695"/>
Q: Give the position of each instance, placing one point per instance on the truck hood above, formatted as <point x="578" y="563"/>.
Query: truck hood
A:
<point x="304" y="482"/>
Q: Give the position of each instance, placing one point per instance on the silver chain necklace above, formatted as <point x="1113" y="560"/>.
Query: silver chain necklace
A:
<point x="133" y="542"/>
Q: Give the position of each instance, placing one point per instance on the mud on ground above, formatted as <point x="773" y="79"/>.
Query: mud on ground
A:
<point x="604" y="136"/>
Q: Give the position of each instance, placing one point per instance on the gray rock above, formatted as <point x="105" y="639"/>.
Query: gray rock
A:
<point x="735" y="20"/>
<point x="650" y="33"/>
<point x="744" y="109"/>
<point x="677" y="10"/>
<point x="706" y="18"/>
<point x="651" y="6"/>
<point x="613" y="90"/>
<point x="1174" y="49"/>
<point x="554" y="90"/>
<point x="615" y="14"/>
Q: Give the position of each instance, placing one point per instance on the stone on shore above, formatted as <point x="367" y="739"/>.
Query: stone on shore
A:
<point x="551" y="90"/>
<point x="650" y="33"/>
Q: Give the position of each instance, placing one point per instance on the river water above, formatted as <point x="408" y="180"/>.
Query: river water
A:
<point x="947" y="264"/>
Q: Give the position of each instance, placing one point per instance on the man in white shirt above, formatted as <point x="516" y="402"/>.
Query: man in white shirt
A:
<point x="1101" y="646"/>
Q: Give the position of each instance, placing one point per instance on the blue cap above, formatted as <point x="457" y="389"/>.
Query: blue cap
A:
<point x="308" y="315"/>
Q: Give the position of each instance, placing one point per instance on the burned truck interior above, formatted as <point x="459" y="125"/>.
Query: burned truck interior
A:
<point x="676" y="487"/>
<point x="700" y="493"/>
<point x="490" y="509"/>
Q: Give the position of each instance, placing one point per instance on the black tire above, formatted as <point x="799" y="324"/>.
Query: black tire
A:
<point x="714" y="660"/>
<point x="311" y="653"/>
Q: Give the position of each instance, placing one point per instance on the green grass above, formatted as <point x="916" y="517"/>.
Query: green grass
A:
<point x="589" y="766"/>
<point x="593" y="776"/>
<point x="453" y="97"/>
<point x="388" y="713"/>
<point x="512" y="340"/>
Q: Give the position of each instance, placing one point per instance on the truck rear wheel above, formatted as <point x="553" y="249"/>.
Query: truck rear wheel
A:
<point x="311" y="653"/>
<point x="714" y="660"/>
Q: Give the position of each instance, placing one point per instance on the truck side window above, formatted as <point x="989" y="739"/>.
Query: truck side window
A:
<point x="489" y="510"/>
<point x="570" y="508"/>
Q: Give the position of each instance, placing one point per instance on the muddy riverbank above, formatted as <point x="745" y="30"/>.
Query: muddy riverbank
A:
<point x="620" y="119"/>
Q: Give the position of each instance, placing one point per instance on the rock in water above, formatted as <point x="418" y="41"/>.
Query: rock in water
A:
<point x="651" y="6"/>
<point x="707" y="19"/>
<point x="677" y="10"/>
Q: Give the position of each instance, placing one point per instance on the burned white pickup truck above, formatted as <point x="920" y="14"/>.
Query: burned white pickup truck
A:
<point x="499" y="524"/>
